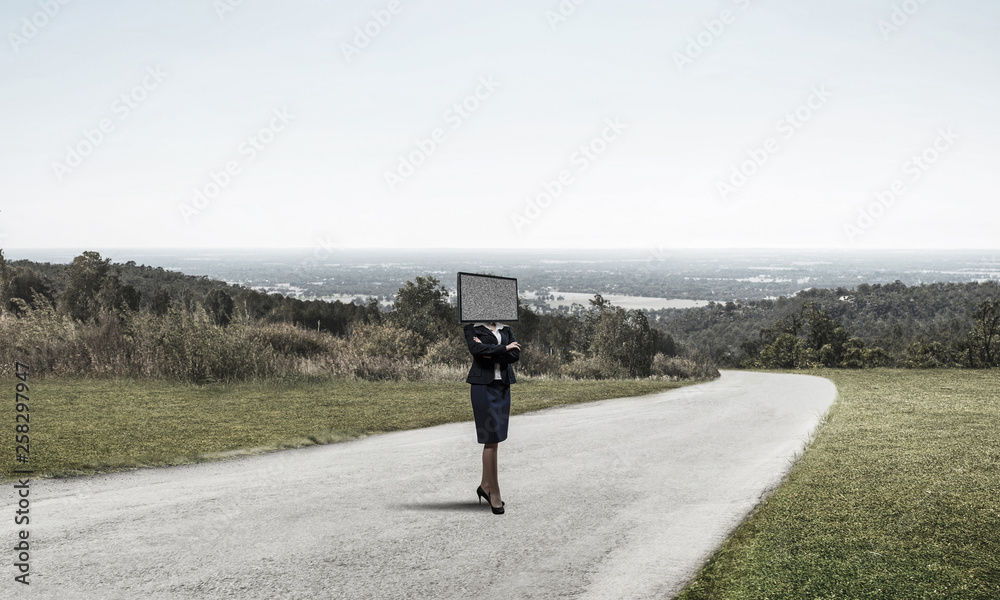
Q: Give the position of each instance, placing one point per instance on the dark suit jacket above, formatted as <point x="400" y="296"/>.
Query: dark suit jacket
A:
<point x="486" y="352"/>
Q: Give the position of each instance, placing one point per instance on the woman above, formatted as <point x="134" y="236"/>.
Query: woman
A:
<point x="491" y="376"/>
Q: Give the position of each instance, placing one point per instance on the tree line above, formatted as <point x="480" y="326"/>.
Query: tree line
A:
<point x="90" y="285"/>
<point x="94" y="318"/>
<point x="91" y="317"/>
<point x="925" y="326"/>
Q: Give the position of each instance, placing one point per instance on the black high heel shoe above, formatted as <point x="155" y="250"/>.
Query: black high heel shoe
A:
<point x="498" y="510"/>
<point x="481" y="494"/>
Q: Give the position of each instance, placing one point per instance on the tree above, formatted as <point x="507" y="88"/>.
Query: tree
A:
<point x="791" y="326"/>
<point x="20" y="283"/>
<point x="623" y="337"/>
<point x="826" y="342"/>
<point x="558" y="335"/>
<point x="372" y="312"/>
<point x="665" y="343"/>
<point x="117" y="297"/>
<point x="160" y="304"/>
<point x="983" y="342"/>
<point x="819" y="326"/>
<point x="599" y="303"/>
<point x="86" y="275"/>
<point x="4" y="280"/>
<point x="421" y="306"/>
<point x="219" y="306"/>
<point x="528" y="326"/>
<point x="787" y="351"/>
<point x="930" y="355"/>
<point x="854" y="354"/>
<point x="824" y="335"/>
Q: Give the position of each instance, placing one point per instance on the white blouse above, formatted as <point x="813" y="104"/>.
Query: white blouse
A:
<point x="496" y="333"/>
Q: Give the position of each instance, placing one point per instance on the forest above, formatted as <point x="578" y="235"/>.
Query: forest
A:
<point x="924" y="326"/>
<point x="93" y="318"/>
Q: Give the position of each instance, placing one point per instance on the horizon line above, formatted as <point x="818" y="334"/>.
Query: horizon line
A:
<point x="506" y="250"/>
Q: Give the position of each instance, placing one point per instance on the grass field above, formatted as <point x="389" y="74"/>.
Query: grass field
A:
<point x="81" y="426"/>
<point x="898" y="497"/>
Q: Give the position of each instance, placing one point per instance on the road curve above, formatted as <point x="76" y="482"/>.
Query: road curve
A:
<point x="620" y="498"/>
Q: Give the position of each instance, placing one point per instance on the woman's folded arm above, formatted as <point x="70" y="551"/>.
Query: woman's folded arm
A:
<point x="481" y="349"/>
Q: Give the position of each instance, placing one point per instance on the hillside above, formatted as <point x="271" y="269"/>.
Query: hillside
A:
<point x="891" y="316"/>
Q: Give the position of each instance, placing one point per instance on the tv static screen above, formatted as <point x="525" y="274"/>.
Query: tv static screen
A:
<point x="486" y="298"/>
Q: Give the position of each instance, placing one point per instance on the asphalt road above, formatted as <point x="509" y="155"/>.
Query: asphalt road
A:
<point x="620" y="498"/>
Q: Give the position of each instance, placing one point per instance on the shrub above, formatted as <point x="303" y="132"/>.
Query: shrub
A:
<point x="375" y="368"/>
<point x="593" y="367"/>
<point x="451" y="351"/>
<point x="930" y="355"/>
<point x="539" y="363"/>
<point x="385" y="341"/>
<point x="287" y="339"/>
<point x="857" y="356"/>
<point x="188" y="346"/>
<point x="675" y="367"/>
<point x="786" y="352"/>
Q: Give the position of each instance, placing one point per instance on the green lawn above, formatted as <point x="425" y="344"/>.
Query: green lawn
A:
<point x="83" y="426"/>
<point x="898" y="498"/>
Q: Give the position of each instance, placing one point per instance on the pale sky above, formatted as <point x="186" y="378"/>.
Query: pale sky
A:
<point x="117" y="114"/>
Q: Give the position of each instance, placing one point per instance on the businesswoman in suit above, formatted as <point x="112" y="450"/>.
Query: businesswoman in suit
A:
<point x="493" y="350"/>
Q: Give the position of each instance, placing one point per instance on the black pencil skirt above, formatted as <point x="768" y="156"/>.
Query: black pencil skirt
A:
<point x="491" y="410"/>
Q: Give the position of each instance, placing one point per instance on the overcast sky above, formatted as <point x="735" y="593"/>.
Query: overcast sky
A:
<point x="522" y="123"/>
